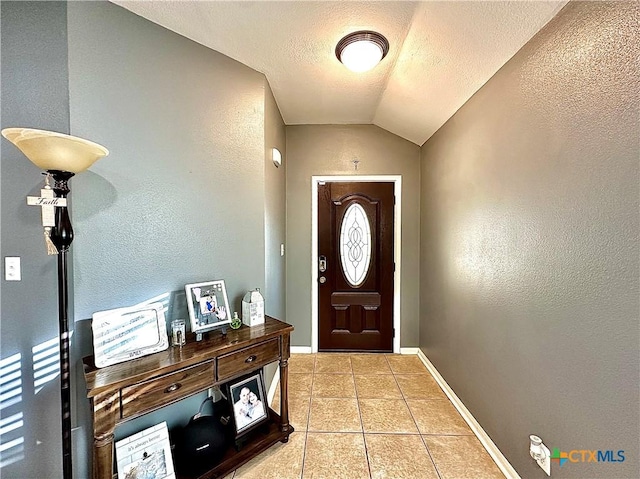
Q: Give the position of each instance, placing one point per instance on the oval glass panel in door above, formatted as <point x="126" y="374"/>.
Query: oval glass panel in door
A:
<point x="355" y="244"/>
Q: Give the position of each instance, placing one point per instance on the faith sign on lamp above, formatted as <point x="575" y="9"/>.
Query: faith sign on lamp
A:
<point x="61" y="156"/>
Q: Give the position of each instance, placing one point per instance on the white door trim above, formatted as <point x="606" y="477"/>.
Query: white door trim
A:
<point x="397" y="224"/>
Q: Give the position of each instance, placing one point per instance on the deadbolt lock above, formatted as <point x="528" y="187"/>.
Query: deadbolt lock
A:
<point x="322" y="263"/>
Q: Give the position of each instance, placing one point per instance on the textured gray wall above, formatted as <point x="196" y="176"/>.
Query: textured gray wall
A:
<point x="330" y="150"/>
<point x="530" y="244"/>
<point x="180" y="198"/>
<point x="274" y="216"/>
<point x="274" y="209"/>
<point x="34" y="94"/>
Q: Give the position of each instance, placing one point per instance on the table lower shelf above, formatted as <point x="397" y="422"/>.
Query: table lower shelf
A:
<point x="259" y="442"/>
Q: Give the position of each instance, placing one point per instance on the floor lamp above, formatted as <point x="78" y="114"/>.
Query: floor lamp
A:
<point x="61" y="156"/>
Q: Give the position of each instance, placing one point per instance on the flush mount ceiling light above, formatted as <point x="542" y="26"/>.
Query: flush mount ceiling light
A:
<point x="361" y="51"/>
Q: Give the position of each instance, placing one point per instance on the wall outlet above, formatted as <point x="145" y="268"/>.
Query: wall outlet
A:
<point x="215" y="393"/>
<point x="12" y="268"/>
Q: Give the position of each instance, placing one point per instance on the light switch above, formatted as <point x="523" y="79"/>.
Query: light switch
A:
<point x="12" y="268"/>
<point x="281" y="249"/>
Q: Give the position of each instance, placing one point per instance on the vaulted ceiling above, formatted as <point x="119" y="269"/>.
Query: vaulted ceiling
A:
<point x="441" y="53"/>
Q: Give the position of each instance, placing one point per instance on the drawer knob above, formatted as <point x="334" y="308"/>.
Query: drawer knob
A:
<point x="173" y="387"/>
<point x="250" y="359"/>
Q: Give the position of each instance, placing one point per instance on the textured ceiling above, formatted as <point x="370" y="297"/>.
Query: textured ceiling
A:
<point x="440" y="53"/>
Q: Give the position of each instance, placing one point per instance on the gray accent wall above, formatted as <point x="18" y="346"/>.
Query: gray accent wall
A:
<point x="187" y="193"/>
<point x="180" y="198"/>
<point x="274" y="216"/>
<point x="529" y="257"/>
<point x="330" y="150"/>
<point x="275" y="208"/>
<point x="34" y="77"/>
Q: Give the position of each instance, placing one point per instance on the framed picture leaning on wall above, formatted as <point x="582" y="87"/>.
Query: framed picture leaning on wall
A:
<point x="128" y="333"/>
<point x="146" y="454"/>
<point x="208" y="305"/>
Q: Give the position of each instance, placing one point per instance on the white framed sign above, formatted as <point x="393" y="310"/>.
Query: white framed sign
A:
<point x="128" y="333"/>
<point x="146" y="454"/>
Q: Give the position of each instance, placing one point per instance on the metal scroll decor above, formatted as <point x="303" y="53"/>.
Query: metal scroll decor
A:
<point x="355" y="244"/>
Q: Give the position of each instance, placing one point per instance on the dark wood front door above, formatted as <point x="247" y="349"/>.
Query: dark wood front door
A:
<point x="355" y="266"/>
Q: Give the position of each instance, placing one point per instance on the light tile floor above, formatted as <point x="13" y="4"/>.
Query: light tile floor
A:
<point x="370" y="416"/>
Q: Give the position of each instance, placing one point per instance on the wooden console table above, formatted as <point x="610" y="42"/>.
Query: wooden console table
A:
<point x="123" y="391"/>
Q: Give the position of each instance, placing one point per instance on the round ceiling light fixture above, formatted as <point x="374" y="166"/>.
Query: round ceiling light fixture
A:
<point x="361" y="51"/>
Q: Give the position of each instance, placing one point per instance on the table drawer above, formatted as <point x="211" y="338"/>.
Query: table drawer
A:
<point x="149" y="395"/>
<point x="248" y="359"/>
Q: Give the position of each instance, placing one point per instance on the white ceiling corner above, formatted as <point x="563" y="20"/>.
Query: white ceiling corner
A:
<point x="441" y="52"/>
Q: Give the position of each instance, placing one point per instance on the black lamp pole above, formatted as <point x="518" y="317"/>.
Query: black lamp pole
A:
<point x="62" y="236"/>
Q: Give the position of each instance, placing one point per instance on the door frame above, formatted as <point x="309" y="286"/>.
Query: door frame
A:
<point x="397" y="224"/>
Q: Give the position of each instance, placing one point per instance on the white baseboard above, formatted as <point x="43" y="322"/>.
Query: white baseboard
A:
<point x="273" y="387"/>
<point x="506" y="468"/>
<point x="300" y="349"/>
<point x="307" y="350"/>
<point x="409" y="350"/>
<point x="276" y="377"/>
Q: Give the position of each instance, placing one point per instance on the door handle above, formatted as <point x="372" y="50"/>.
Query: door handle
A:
<point x="322" y="280"/>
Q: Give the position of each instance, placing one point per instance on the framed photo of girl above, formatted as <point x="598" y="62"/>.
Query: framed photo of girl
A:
<point x="249" y="402"/>
<point x="208" y="305"/>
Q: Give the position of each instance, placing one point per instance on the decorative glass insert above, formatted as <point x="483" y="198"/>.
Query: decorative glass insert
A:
<point x="355" y="244"/>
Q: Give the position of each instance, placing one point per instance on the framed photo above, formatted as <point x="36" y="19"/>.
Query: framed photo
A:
<point x="249" y="402"/>
<point x="128" y="333"/>
<point x="208" y="305"/>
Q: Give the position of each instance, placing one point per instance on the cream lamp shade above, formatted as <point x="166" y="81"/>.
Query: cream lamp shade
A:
<point x="49" y="150"/>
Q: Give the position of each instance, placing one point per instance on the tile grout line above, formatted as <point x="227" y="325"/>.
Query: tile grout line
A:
<point x="404" y="396"/>
<point x="435" y="466"/>
<point x="306" y="432"/>
<point x="424" y="442"/>
<point x="488" y="445"/>
<point x="357" y="397"/>
<point x="364" y="439"/>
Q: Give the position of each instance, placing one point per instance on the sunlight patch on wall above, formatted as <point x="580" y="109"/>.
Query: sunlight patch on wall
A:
<point x="161" y="298"/>
<point x="46" y="363"/>
<point x="10" y="381"/>
<point x="11" y="422"/>
<point x="11" y="451"/>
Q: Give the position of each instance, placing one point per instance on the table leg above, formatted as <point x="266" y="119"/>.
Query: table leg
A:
<point x="103" y="457"/>
<point x="105" y="412"/>
<point x="284" y="386"/>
